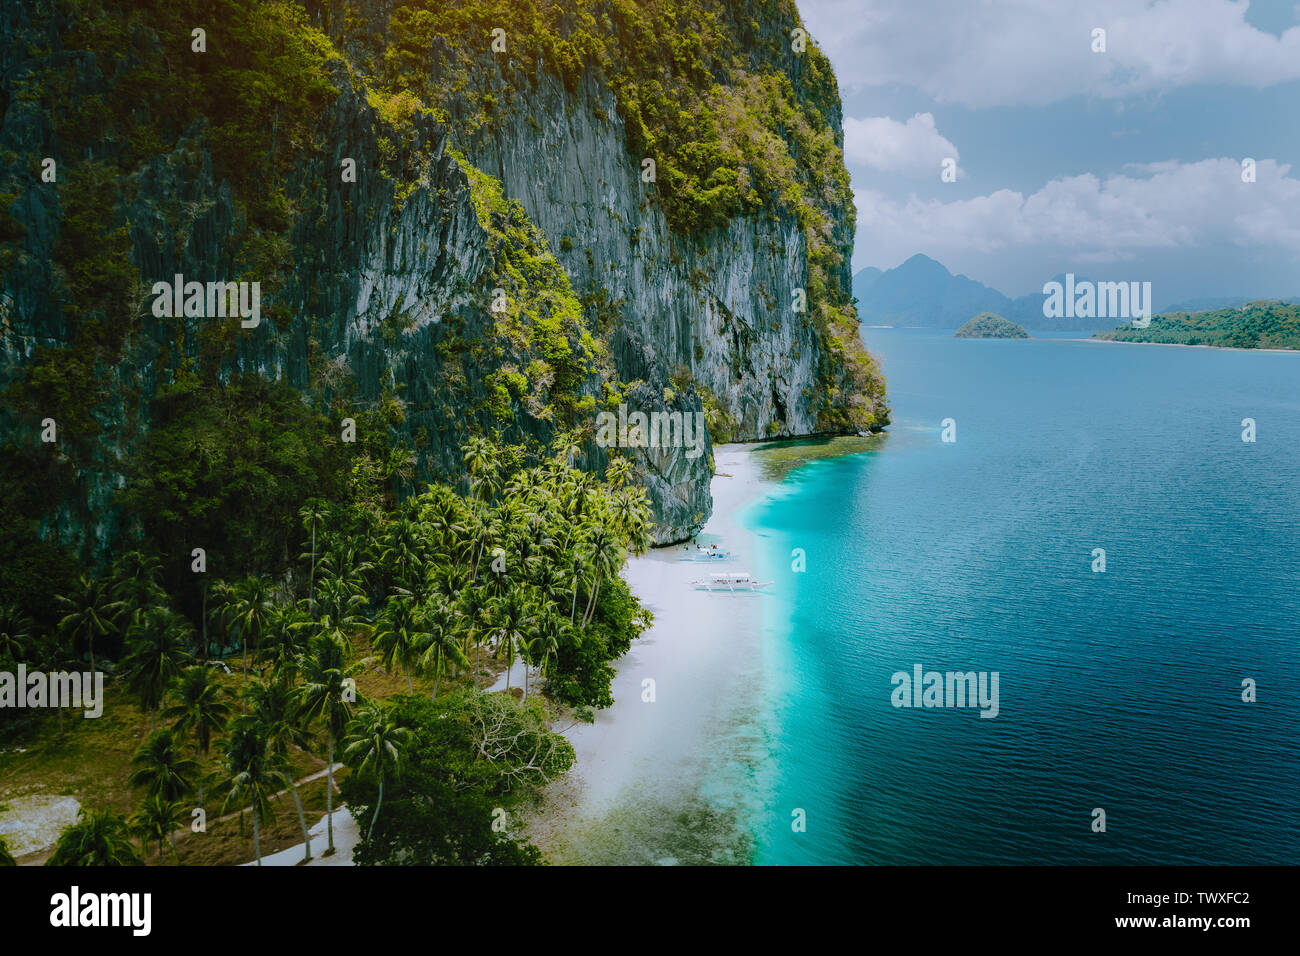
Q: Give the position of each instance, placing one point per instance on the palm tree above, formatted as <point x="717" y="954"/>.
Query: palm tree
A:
<point x="134" y="581"/>
<point x="161" y="769"/>
<point x="156" y="653"/>
<point x="16" y="631"/>
<point x="474" y="604"/>
<point x="219" y="599"/>
<point x="284" y="640"/>
<point x="619" y="472"/>
<point x="552" y="626"/>
<point x="440" y="627"/>
<point x="567" y="445"/>
<point x="401" y="556"/>
<point x="257" y="773"/>
<point x="201" y="710"/>
<point x="250" y="612"/>
<point x="275" y="708"/>
<point x="511" y="620"/>
<point x="157" y="819"/>
<point x="313" y="515"/>
<point x="100" y="838"/>
<point x="575" y="572"/>
<point x="375" y="748"/>
<point x="480" y="464"/>
<point x="89" y="613"/>
<point x="325" y="696"/>
<point x="398" y="635"/>
<point x="340" y="604"/>
<point x="605" y="556"/>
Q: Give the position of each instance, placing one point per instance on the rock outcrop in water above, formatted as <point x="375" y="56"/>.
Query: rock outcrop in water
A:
<point x="498" y="259"/>
<point x="988" y="325"/>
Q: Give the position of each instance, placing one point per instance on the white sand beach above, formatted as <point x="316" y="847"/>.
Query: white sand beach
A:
<point x="346" y="836"/>
<point x="645" y="769"/>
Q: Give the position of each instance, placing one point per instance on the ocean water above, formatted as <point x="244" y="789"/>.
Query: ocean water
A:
<point x="1119" y="690"/>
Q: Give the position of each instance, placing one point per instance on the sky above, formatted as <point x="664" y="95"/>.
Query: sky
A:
<point x="1117" y="164"/>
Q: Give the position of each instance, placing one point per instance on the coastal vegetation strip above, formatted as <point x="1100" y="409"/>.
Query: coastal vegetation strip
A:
<point x="1264" y="324"/>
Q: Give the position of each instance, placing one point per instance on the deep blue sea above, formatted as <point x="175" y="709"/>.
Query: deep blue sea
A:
<point x="1119" y="690"/>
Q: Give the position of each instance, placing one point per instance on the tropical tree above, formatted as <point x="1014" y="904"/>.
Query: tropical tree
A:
<point x="440" y="630"/>
<point x="200" y="709"/>
<point x="512" y="620"/>
<point x="156" y="652"/>
<point x="158" y="818"/>
<point x="256" y="774"/>
<point x="326" y="697"/>
<point x="401" y="554"/>
<point x="250" y="612"/>
<point x="6" y="858"/>
<point x="375" y="748"/>
<point x="16" y="631"/>
<point x="567" y="446"/>
<point x="474" y="606"/>
<point x="285" y="638"/>
<point x="313" y="515"/>
<point x="219" y="598"/>
<point x="101" y="838"/>
<point x="398" y="635"/>
<point x="133" y="580"/>
<point x="619" y="472"/>
<point x="605" y="556"/>
<point x="161" y="768"/>
<point x="89" y="612"/>
<point x="274" y="705"/>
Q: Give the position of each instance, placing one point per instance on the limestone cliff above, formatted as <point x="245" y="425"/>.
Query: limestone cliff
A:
<point x="497" y="261"/>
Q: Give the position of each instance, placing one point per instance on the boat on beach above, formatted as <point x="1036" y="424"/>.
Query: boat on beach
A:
<point x="731" y="581"/>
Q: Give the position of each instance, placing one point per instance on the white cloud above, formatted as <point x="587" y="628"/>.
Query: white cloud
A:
<point x="1040" y="51"/>
<point x="915" y="148"/>
<point x="1156" y="206"/>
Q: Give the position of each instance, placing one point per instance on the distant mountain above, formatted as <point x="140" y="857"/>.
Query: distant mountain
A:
<point x="986" y="325"/>
<point x="922" y="292"/>
<point x="1216" y="304"/>
<point x="862" y="281"/>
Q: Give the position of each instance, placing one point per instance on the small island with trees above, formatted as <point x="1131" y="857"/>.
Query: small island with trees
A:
<point x="988" y="325"/>
<point x="1263" y="324"/>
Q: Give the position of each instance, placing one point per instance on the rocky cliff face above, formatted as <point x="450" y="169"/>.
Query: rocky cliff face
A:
<point x="385" y="286"/>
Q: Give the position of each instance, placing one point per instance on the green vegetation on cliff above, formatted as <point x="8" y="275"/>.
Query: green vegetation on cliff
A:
<point x="1257" y="325"/>
<point x="736" y="121"/>
<point x="988" y="325"/>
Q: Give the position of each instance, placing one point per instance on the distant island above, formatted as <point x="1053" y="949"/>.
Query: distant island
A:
<point x="1266" y="324"/>
<point x="988" y="325"/>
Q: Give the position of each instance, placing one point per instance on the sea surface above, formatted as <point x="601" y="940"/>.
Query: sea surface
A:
<point x="1118" y="691"/>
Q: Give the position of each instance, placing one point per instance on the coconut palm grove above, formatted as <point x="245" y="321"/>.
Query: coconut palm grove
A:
<point x="368" y="655"/>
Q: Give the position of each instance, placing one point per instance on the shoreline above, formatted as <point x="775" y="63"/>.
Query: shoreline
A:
<point x="1184" y="345"/>
<point x="651" y="780"/>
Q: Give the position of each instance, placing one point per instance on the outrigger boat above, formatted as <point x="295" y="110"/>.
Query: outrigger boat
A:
<point x="734" y="581"/>
<point x="712" y="553"/>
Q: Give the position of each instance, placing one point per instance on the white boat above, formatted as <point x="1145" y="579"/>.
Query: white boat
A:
<point x="732" y="581"/>
<point x="713" y="553"/>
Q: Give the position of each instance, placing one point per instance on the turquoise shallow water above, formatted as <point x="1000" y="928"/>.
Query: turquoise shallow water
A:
<point x="1119" y="690"/>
